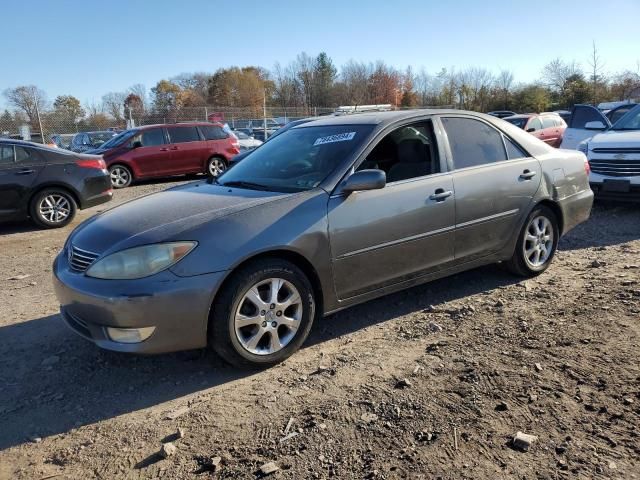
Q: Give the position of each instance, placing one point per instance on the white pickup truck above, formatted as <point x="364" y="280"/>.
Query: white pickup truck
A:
<point x="614" y="156"/>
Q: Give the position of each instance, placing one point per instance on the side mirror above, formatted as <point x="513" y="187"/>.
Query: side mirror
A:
<point x="595" y="125"/>
<point x="529" y="130"/>
<point x="365" y="180"/>
<point x="136" y="144"/>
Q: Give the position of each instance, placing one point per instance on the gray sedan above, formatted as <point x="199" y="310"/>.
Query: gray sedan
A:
<point x="331" y="213"/>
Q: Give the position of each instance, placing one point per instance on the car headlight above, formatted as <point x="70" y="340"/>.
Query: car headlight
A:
<point x="583" y="147"/>
<point x="140" y="262"/>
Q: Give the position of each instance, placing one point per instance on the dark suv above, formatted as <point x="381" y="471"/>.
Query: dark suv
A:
<point x="49" y="184"/>
<point x="85" y="141"/>
<point x="164" y="150"/>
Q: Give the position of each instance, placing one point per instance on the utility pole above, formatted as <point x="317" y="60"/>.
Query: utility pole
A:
<point x="39" y="121"/>
<point x="264" y="112"/>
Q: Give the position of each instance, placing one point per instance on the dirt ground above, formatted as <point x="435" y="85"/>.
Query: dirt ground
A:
<point x="432" y="382"/>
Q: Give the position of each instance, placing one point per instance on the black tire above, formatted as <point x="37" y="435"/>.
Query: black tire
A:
<point x="120" y="175"/>
<point x="53" y="208"/>
<point x="216" y="166"/>
<point x="222" y="332"/>
<point x="519" y="264"/>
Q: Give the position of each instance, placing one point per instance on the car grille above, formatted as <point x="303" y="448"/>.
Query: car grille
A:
<point x="80" y="260"/>
<point x="614" y="151"/>
<point x="615" y="168"/>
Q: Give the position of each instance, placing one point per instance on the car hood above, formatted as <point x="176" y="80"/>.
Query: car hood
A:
<point x="165" y="216"/>
<point x="615" y="139"/>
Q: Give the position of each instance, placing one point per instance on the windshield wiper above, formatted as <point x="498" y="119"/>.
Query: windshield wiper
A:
<point x="243" y="184"/>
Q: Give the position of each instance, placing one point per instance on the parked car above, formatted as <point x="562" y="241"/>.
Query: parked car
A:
<point x="164" y="150"/>
<point x="328" y="214"/>
<point x="289" y="125"/>
<point x="502" y="113"/>
<point x="49" y="184"/>
<point x="85" y="141"/>
<point x="246" y="142"/>
<point x="548" y="127"/>
<point x="614" y="158"/>
<point x="62" y="140"/>
<point x="587" y="120"/>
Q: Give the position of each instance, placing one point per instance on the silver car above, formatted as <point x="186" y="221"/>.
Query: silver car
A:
<point x="331" y="213"/>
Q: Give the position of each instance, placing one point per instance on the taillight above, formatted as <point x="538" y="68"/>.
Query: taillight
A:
<point x="98" y="163"/>
<point x="234" y="150"/>
<point x="587" y="167"/>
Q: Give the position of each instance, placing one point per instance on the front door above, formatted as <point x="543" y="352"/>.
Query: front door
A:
<point x="495" y="182"/>
<point x="150" y="153"/>
<point x="19" y="169"/>
<point x="402" y="231"/>
<point x="577" y="131"/>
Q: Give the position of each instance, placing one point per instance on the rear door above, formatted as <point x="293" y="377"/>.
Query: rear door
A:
<point x="19" y="169"/>
<point x="150" y="155"/>
<point x="576" y="130"/>
<point x="551" y="130"/>
<point x="187" y="149"/>
<point x="494" y="180"/>
<point x="534" y="127"/>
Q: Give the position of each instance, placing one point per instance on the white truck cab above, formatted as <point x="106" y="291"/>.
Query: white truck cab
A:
<point x="614" y="157"/>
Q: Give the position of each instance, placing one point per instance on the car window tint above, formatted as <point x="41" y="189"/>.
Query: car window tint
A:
<point x="153" y="137"/>
<point x="212" y="132"/>
<point x="534" y="123"/>
<point x="548" y="122"/>
<point x="184" y="134"/>
<point x="23" y="155"/>
<point x="583" y="115"/>
<point x="407" y="152"/>
<point x="616" y="115"/>
<point x="513" y="150"/>
<point x="6" y="154"/>
<point x="473" y="142"/>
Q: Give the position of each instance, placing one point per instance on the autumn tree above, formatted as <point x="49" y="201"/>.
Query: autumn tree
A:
<point x="68" y="109"/>
<point x="409" y="96"/>
<point x="166" y="98"/>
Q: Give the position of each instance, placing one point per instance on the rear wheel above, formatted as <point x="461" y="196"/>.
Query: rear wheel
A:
<point x="53" y="208"/>
<point x="120" y="175"/>
<point x="263" y="315"/>
<point x="216" y="167"/>
<point x="537" y="243"/>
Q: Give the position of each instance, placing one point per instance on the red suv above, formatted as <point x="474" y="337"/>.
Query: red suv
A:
<point x="163" y="150"/>
<point x="548" y="127"/>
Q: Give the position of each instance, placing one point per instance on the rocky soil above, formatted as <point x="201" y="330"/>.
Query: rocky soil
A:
<point x="432" y="382"/>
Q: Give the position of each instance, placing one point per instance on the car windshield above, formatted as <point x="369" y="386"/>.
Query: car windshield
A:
<point x="241" y="135"/>
<point x="299" y="159"/>
<point x="630" y="121"/>
<point x="119" y="139"/>
<point x="98" y="138"/>
<point x="519" y="122"/>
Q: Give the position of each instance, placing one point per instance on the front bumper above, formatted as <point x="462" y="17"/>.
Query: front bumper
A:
<point x="178" y="308"/>
<point x="603" y="193"/>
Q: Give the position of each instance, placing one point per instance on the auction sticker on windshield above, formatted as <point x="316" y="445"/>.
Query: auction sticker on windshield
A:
<point x="340" y="137"/>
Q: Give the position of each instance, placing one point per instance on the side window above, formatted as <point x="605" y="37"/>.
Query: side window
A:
<point x="407" y="152"/>
<point x="473" y="142"/>
<point x="183" y="134"/>
<point x="548" y="122"/>
<point x="153" y="137"/>
<point x="534" y="123"/>
<point x="6" y="155"/>
<point x="617" y="114"/>
<point x="23" y="155"/>
<point x="583" y="115"/>
<point x="212" y="132"/>
<point x="513" y="150"/>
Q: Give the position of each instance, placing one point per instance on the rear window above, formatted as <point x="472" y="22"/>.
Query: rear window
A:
<point x="22" y="155"/>
<point x="548" y="122"/>
<point x="184" y="134"/>
<point x="212" y="132"/>
<point x="6" y="154"/>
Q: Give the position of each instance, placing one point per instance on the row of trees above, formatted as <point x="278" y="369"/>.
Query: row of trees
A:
<point x="311" y="82"/>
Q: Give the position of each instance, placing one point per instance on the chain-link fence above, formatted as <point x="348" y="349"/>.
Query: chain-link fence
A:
<point x="59" y="128"/>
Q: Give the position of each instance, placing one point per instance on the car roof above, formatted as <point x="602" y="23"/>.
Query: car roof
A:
<point x="177" y="124"/>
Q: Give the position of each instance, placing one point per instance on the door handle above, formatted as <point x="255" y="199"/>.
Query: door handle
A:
<point x="174" y="148"/>
<point x="440" y="195"/>
<point x="527" y="175"/>
<point x="26" y="171"/>
<point x="164" y="149"/>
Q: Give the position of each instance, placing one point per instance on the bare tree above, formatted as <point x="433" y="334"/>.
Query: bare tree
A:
<point x="597" y="75"/>
<point x="140" y="91"/>
<point x="114" y="104"/>
<point x="355" y="76"/>
<point x="28" y="98"/>
<point x="556" y="73"/>
<point x="504" y="82"/>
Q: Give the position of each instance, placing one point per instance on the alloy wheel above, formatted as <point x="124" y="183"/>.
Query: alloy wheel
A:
<point x="216" y="167"/>
<point x="538" y="241"/>
<point x="268" y="316"/>
<point x="55" y="208"/>
<point x="119" y="177"/>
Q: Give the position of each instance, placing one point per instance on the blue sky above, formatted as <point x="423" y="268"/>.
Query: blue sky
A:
<point x="88" y="48"/>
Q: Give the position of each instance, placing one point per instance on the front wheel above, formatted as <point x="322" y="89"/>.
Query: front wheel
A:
<point x="53" y="208"/>
<point x="120" y="175"/>
<point x="537" y="243"/>
<point x="216" y="166"/>
<point x="263" y="315"/>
